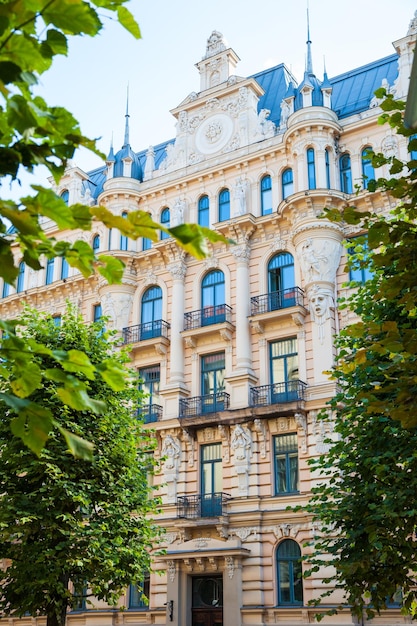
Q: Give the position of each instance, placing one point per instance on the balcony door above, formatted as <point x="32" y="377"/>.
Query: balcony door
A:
<point x="284" y="370"/>
<point x="212" y="382"/>
<point x="281" y="282"/>
<point x="211" y="480"/>
<point x="151" y="313"/>
<point x="207" y="601"/>
<point x="212" y="298"/>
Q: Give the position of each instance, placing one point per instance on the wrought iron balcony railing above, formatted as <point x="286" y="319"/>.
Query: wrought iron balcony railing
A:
<point x="277" y="300"/>
<point x="150" y="413"/>
<point x="278" y="393"/>
<point x="198" y="506"/>
<point x="149" y="330"/>
<point x="207" y="316"/>
<point x="201" y="405"/>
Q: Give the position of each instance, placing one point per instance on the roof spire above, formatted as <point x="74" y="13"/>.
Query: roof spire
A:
<point x="126" y="141"/>
<point x="309" y="62"/>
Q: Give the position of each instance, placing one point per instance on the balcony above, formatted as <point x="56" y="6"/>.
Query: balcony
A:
<point x="203" y="405"/>
<point x="202" y="506"/>
<point x="142" y="332"/>
<point x="150" y="413"/>
<point x="207" y="316"/>
<point x="278" y="393"/>
<point x="277" y="300"/>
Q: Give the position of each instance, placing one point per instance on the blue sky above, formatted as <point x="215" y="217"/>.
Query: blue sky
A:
<point x="160" y="68"/>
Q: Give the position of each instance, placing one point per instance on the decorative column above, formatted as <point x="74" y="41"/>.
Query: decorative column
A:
<point x="177" y="271"/>
<point x="319" y="249"/>
<point x="241" y="253"/>
<point x="243" y="376"/>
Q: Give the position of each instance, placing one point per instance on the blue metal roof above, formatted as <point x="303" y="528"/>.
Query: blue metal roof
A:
<point x="275" y="82"/>
<point x="354" y="90"/>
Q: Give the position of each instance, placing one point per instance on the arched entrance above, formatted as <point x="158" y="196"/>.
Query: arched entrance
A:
<point x="207" y="601"/>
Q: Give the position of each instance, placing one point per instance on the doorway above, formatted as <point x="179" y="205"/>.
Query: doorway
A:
<point x="207" y="601"/>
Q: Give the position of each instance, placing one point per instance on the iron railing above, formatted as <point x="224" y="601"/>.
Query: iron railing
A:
<point x="150" y="413"/>
<point x="207" y="316"/>
<point x="200" y="405"/>
<point x="278" y="393"/>
<point x="277" y="300"/>
<point x="198" y="506"/>
<point x="149" y="330"/>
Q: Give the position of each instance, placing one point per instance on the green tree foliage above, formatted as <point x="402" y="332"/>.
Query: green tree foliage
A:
<point x="32" y="133"/>
<point x="366" y="507"/>
<point x="68" y="524"/>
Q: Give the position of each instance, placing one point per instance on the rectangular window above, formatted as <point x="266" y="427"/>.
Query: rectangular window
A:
<point x="139" y="594"/>
<point x="284" y="370"/>
<point x="150" y="379"/>
<point x="49" y="271"/>
<point x="64" y="269"/>
<point x="211" y="480"/>
<point x="97" y="312"/>
<point x="212" y="382"/>
<point x="286" y="464"/>
<point x="359" y="249"/>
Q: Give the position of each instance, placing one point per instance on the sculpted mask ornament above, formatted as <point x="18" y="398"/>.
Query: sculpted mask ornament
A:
<point x="320" y="304"/>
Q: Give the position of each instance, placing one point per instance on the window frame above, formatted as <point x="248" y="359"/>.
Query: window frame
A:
<point x="224" y="205"/>
<point x="346" y="183"/>
<point x="368" y="172"/>
<point x="266" y="194"/>
<point x="203" y="211"/>
<point x="49" y="271"/>
<point x="123" y="238"/>
<point x="291" y="471"/>
<point x="287" y="186"/>
<point x="294" y="574"/>
<point x="165" y="221"/>
<point x="311" y="168"/>
<point x="20" y="284"/>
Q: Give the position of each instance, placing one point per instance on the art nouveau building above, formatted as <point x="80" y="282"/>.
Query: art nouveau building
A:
<point x="232" y="350"/>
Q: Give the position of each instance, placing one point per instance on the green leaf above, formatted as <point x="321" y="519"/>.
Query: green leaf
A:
<point x="30" y="378"/>
<point x="79" y="400"/>
<point x="128" y="21"/>
<point x="111" y="268"/>
<point x="80" y="448"/>
<point x="114" y="374"/>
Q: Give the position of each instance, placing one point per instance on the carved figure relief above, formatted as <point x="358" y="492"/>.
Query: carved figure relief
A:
<point x="242" y="446"/>
<point x="240" y="191"/>
<point x="171" y="451"/>
<point x="320" y="260"/>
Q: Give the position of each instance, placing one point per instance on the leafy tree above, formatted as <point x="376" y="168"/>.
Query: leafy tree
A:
<point x="32" y="133"/>
<point x="366" y="507"/>
<point x="67" y="524"/>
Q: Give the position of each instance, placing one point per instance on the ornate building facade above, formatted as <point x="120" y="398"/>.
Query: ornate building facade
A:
<point x="232" y="350"/>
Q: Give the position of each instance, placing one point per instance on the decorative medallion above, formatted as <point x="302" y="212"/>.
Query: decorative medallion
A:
<point x="214" y="133"/>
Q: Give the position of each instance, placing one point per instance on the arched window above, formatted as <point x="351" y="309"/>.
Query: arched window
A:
<point x="311" y="168"/>
<point x="281" y="281"/>
<point x="345" y="174"/>
<point x="49" y="271"/>
<point x="212" y="298"/>
<point x="65" y="196"/>
<point x="151" y="313"/>
<point x="289" y="573"/>
<point x="287" y="183"/>
<point x="21" y="278"/>
<point x="224" y="205"/>
<point x="165" y="221"/>
<point x="266" y="195"/>
<point x="96" y="243"/>
<point x="123" y="238"/>
<point x="204" y="211"/>
<point x="64" y="269"/>
<point x="368" y="172"/>
<point x="327" y="166"/>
